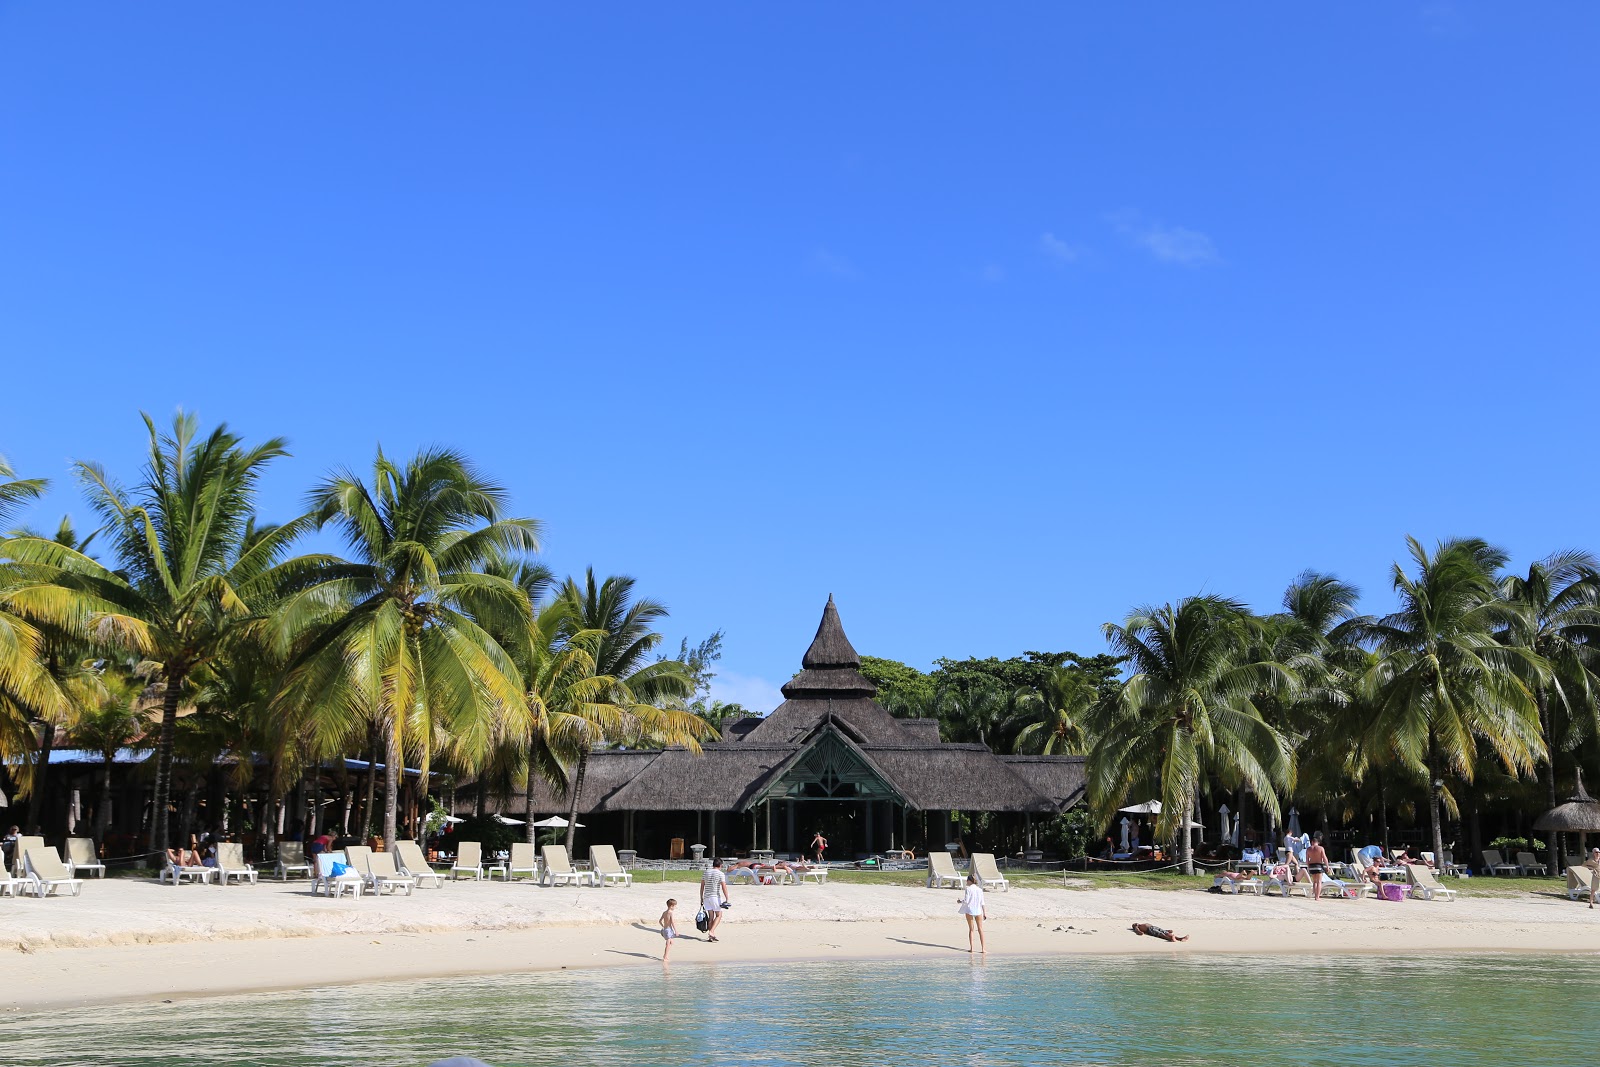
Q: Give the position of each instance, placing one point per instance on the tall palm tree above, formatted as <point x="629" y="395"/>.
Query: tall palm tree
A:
<point x="188" y="563"/>
<point x="1557" y="606"/>
<point x="393" y="636"/>
<point x="1057" y="714"/>
<point x="1186" y="710"/>
<point x="1444" y="680"/>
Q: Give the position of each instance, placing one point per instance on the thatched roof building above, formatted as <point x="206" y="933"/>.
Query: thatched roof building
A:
<point x="828" y="758"/>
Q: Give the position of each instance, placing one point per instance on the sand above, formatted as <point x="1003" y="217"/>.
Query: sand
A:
<point x="130" y="940"/>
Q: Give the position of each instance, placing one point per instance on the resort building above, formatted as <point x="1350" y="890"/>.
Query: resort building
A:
<point x="828" y="759"/>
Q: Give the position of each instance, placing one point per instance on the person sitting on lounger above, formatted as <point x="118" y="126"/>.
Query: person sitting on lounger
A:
<point x="1150" y="930"/>
<point x="184" y="857"/>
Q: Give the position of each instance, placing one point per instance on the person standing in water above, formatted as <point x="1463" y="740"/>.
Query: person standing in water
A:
<point x="973" y="908"/>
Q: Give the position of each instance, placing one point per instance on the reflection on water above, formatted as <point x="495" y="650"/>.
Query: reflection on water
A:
<point x="1457" y="1010"/>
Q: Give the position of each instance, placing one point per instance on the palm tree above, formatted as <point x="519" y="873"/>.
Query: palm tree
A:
<point x="1187" y="709"/>
<point x="1444" y="680"/>
<point x="1557" y="606"/>
<point x="1057" y="714"/>
<point x="393" y="636"/>
<point x="185" y="576"/>
<point x="114" y="721"/>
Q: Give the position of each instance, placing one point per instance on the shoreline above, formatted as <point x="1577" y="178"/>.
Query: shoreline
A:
<point x="139" y="943"/>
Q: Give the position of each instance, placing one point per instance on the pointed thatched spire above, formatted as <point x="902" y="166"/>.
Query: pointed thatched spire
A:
<point x="1580" y="814"/>
<point x="830" y="648"/>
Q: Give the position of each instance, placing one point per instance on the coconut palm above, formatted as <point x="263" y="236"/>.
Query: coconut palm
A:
<point x="1444" y="680"/>
<point x="393" y="635"/>
<point x="188" y="563"/>
<point x="1057" y="714"/>
<point x="1557" y="606"/>
<point x="1187" y="710"/>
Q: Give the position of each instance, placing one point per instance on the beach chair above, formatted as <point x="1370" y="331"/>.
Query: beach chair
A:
<point x="336" y="885"/>
<point x="1495" y="865"/>
<point x="1425" y="884"/>
<point x="1451" y="867"/>
<point x="1282" y="878"/>
<point x="383" y="876"/>
<point x="983" y="864"/>
<point x="20" y="849"/>
<point x="10" y="886"/>
<point x="231" y="864"/>
<point x="608" y="870"/>
<point x="45" y="873"/>
<point x="291" y="857"/>
<point x="523" y="861"/>
<point x="172" y="872"/>
<point x="81" y="857"/>
<point x="942" y="871"/>
<point x="413" y="864"/>
<point x="558" y="868"/>
<point x="743" y="874"/>
<point x="817" y="874"/>
<point x="1228" y="885"/>
<point x="469" y="860"/>
<point x="1580" y="880"/>
<point x="1571" y="861"/>
<point x="356" y="856"/>
<point x="1527" y="863"/>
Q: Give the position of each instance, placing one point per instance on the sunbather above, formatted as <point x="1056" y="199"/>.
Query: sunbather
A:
<point x="184" y="857"/>
<point x="1149" y="930"/>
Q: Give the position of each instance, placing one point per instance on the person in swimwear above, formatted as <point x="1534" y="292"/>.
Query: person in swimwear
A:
<point x="1149" y="930"/>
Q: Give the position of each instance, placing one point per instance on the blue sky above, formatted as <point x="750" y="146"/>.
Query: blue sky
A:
<point x="992" y="325"/>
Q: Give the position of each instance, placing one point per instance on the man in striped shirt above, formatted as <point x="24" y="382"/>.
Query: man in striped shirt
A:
<point x="714" y="897"/>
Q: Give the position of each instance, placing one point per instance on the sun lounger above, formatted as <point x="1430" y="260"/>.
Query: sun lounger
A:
<point x="1527" y="863"/>
<point x="1571" y="861"/>
<point x="558" y="868"/>
<point x="81" y="857"/>
<point x="1243" y="885"/>
<point x="1580" y="879"/>
<point x="1283" y="880"/>
<point x="413" y="864"/>
<point x="10" y="886"/>
<point x="383" y="876"/>
<point x="172" y="872"/>
<point x="45" y="873"/>
<point x="743" y="874"/>
<point x="523" y="861"/>
<point x="942" y="871"/>
<point x="1494" y="864"/>
<point x="1425" y="884"/>
<point x="1450" y="867"/>
<point x="291" y="858"/>
<point x="469" y="860"/>
<point x="983" y="864"/>
<point x="356" y="856"/>
<point x="19" y="850"/>
<point x="606" y="867"/>
<point x="231" y="864"/>
<point x="336" y="885"/>
<point x="817" y="874"/>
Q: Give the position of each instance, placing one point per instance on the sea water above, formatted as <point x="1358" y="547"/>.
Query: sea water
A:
<point x="1264" y="1011"/>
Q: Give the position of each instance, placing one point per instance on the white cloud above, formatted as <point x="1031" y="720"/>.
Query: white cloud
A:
<point x="1168" y="244"/>
<point x="756" y="694"/>
<point x="825" y="262"/>
<point x="1056" y="248"/>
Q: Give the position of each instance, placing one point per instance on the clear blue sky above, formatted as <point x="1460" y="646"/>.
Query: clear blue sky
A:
<point x="991" y="324"/>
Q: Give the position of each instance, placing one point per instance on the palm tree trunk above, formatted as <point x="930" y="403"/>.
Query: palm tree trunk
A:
<point x="527" y="796"/>
<point x="159" y="826"/>
<point x="1435" y="798"/>
<point x="392" y="768"/>
<point x="372" y="781"/>
<point x="1185" y="842"/>
<point x="1383" y="814"/>
<point x="102" y="810"/>
<point x="1550" y="773"/>
<point x="41" y="776"/>
<point x="572" y="798"/>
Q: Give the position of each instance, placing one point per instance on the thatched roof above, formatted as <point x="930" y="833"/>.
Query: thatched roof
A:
<point x="830" y="648"/>
<point x="959" y="777"/>
<point x="607" y="773"/>
<point x="922" y="731"/>
<point x="1580" y="814"/>
<point x="829" y="667"/>
<point x="722" y="778"/>
<point x="1060" y="779"/>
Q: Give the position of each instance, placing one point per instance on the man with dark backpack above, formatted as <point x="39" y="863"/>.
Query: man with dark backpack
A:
<point x="713" y="898"/>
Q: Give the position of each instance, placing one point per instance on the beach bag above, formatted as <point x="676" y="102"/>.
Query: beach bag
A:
<point x="1390" y="891"/>
<point x="702" y="921"/>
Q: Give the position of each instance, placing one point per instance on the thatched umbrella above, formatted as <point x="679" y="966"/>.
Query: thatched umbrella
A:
<point x="1579" y="815"/>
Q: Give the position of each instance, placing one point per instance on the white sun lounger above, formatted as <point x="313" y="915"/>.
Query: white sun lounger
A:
<point x="983" y="864"/>
<point x="608" y="870"/>
<point x="81" y="857"/>
<point x="413" y="864"/>
<point x="469" y="860"/>
<point x="558" y="868"/>
<point x="1243" y="885"/>
<point x="336" y="885"/>
<point x="1494" y="864"/>
<point x="1527" y="863"/>
<point x="1426" y="884"/>
<point x="942" y="871"/>
<point x="1579" y="880"/>
<point x="291" y="858"/>
<point x="1286" y="886"/>
<point x="20" y="849"/>
<point x="383" y="876"/>
<point x="171" y="872"/>
<point x="231" y="864"/>
<point x="523" y="861"/>
<point x="47" y="874"/>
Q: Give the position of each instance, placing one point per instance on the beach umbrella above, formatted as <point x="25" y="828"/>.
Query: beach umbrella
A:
<point x="503" y="821"/>
<point x="555" y="822"/>
<point x="1149" y="807"/>
<point x="453" y="819"/>
<point x="1579" y="815"/>
<point x="1294" y="821"/>
<point x="1227" y="827"/>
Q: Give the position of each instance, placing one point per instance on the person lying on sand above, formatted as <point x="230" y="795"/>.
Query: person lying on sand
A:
<point x="1149" y="930"/>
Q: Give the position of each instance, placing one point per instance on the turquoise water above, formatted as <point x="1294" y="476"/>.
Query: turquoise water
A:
<point x="1459" y="1011"/>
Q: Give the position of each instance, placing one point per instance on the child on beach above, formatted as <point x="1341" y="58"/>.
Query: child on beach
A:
<point x="669" y="929"/>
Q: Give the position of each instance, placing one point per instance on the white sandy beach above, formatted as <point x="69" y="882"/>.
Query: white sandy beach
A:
<point x="130" y="940"/>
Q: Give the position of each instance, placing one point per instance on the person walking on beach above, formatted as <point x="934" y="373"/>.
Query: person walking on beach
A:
<point x="1317" y="864"/>
<point x="669" y="929"/>
<point x="973" y="908"/>
<point x="714" y="897"/>
<point x="819" y="845"/>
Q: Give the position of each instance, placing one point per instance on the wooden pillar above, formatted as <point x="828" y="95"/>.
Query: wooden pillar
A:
<point x="788" y="844"/>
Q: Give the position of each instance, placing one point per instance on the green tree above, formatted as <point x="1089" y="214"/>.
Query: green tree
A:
<point x="1187" y="710"/>
<point x="184" y="577"/>
<point x="1444" y="680"/>
<point x="113" y="721"/>
<point x="392" y="636"/>
<point x="1055" y="717"/>
<point x="903" y="690"/>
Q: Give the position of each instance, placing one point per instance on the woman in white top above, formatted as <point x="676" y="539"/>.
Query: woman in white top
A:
<point x="972" y="907"/>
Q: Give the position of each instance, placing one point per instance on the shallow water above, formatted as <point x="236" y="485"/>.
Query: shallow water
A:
<point x="1459" y="1011"/>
